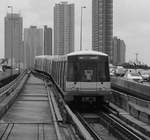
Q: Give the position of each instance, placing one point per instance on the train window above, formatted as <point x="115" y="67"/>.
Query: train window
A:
<point x="88" y="71"/>
<point x="103" y="72"/>
<point x="70" y="75"/>
<point x="73" y="71"/>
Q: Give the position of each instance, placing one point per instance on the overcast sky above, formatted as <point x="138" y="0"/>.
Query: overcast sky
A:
<point x="131" y="22"/>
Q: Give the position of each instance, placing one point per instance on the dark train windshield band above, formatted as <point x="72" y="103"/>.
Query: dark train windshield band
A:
<point x="88" y="68"/>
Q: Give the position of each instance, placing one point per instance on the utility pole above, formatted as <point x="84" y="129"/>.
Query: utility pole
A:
<point x="81" y="28"/>
<point x="11" y="7"/>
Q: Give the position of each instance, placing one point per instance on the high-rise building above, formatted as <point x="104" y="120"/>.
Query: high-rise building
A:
<point x="13" y="37"/>
<point x="102" y="26"/>
<point x="33" y="45"/>
<point x="47" y="40"/>
<point x="63" y="28"/>
<point x="118" y="51"/>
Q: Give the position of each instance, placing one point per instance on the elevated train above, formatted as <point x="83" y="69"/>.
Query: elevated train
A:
<point x="82" y="76"/>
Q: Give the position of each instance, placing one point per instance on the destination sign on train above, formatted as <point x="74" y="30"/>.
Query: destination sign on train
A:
<point x="88" y="57"/>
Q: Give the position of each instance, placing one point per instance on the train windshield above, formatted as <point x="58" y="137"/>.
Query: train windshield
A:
<point x="88" y="69"/>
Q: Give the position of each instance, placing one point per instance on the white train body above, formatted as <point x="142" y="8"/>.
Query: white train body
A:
<point x="83" y="74"/>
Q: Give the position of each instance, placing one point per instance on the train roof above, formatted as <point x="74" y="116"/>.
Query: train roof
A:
<point x="87" y="52"/>
<point x="41" y="56"/>
<point x="45" y="56"/>
<point x="51" y="57"/>
<point x="64" y="57"/>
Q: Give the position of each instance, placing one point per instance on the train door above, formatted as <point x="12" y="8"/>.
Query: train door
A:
<point x="88" y="76"/>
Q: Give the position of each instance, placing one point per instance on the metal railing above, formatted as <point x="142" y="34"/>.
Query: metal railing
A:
<point x="7" y="89"/>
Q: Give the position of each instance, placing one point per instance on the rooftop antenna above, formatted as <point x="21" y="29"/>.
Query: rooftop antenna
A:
<point x="136" y="57"/>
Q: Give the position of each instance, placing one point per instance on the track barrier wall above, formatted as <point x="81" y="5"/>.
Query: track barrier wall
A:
<point x="138" y="108"/>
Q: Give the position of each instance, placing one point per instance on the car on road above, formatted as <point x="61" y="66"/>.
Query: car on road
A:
<point x="145" y="75"/>
<point x="120" y="71"/>
<point x="133" y="75"/>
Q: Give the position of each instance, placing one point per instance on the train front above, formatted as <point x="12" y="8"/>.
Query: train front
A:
<point x="88" y="78"/>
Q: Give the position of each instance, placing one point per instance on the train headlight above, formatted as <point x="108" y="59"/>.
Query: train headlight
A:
<point x="73" y="88"/>
<point x="102" y="89"/>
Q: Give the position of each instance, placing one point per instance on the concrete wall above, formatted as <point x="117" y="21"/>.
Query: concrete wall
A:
<point x="134" y="88"/>
<point x="136" y="107"/>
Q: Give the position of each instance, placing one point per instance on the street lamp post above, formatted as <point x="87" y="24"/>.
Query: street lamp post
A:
<point x="81" y="28"/>
<point x="19" y="46"/>
<point x="11" y="7"/>
<point x="19" y="49"/>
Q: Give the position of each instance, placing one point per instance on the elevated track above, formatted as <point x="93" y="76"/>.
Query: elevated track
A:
<point x="104" y="126"/>
<point x="30" y="116"/>
<point x="32" y="108"/>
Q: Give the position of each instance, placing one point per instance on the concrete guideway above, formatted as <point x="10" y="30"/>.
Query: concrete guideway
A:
<point x="33" y="114"/>
<point x="31" y="105"/>
<point x="30" y="116"/>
